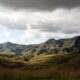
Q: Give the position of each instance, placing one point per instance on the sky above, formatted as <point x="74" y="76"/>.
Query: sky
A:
<point x="35" y="21"/>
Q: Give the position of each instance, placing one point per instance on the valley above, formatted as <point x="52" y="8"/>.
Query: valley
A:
<point x="51" y="60"/>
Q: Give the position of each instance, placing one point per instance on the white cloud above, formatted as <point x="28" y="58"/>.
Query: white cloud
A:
<point x="40" y="26"/>
<point x="55" y="21"/>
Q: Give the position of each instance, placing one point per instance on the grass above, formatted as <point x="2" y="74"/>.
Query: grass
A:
<point x="45" y="67"/>
<point x="9" y="74"/>
<point x="45" y="58"/>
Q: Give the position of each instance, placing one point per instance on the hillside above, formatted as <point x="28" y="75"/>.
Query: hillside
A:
<point x="49" y="67"/>
<point x="51" y="60"/>
<point x="52" y="46"/>
<point x="13" y="48"/>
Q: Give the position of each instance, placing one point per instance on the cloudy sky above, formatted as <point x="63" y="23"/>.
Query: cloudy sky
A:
<point x="35" y="21"/>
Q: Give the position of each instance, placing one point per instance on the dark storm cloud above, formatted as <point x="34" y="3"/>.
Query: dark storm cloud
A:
<point x="40" y="4"/>
<point x="59" y="20"/>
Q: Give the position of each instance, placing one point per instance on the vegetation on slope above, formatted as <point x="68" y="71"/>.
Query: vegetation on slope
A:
<point x="52" y="60"/>
<point x="44" y="67"/>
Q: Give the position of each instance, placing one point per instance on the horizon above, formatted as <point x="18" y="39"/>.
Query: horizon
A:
<point x="40" y="42"/>
<point x="36" y="21"/>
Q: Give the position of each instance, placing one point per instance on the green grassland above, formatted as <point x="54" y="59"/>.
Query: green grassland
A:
<point x="43" y="67"/>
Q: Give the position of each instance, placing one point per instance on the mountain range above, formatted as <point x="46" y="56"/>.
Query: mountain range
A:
<point x="52" y="46"/>
<point x="50" y="60"/>
<point x="13" y="48"/>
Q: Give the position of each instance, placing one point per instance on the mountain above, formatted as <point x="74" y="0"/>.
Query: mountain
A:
<point x="12" y="48"/>
<point x="51" y="60"/>
<point x="42" y="67"/>
<point x="52" y="46"/>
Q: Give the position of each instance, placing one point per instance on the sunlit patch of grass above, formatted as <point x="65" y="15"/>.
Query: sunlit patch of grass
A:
<point x="45" y="58"/>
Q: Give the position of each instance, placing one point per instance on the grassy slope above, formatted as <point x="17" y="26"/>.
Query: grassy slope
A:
<point x="48" y="46"/>
<point x="46" y="67"/>
<point x="7" y="52"/>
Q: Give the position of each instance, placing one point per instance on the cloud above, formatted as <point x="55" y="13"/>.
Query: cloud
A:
<point x="12" y="20"/>
<point x="60" y="20"/>
<point x="30" y="27"/>
<point x="40" y="4"/>
<point x="36" y="37"/>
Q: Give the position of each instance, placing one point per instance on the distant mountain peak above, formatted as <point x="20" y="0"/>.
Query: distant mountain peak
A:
<point x="50" y="40"/>
<point x="8" y="43"/>
<point x="78" y="37"/>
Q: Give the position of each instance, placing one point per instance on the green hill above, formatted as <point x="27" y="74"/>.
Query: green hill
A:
<point x="71" y="45"/>
<point x="51" y="60"/>
<point x="43" y="67"/>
